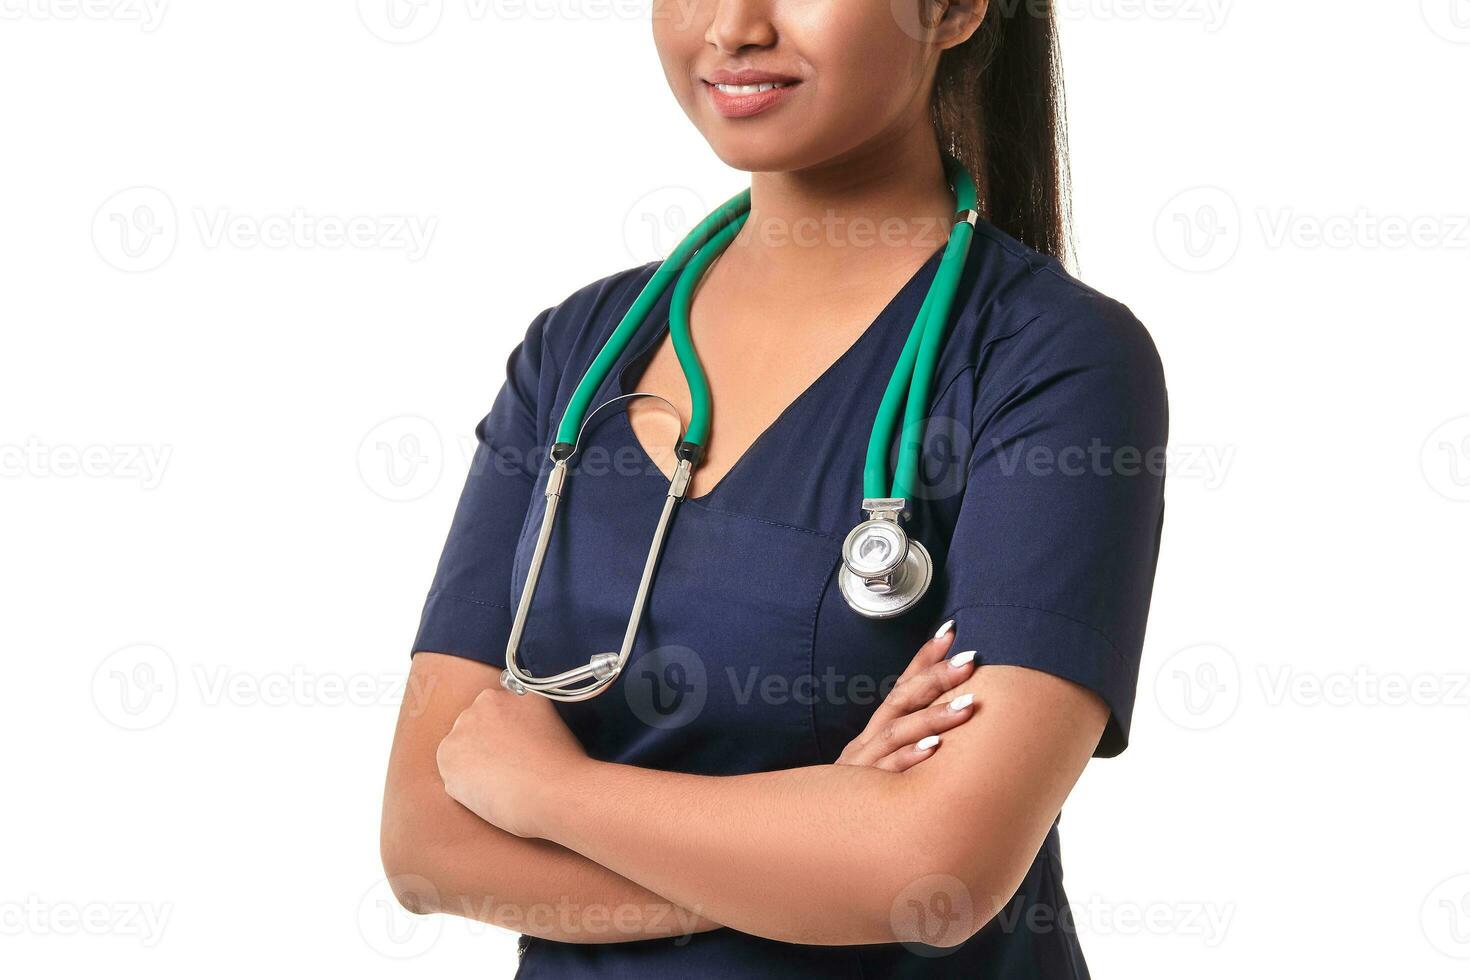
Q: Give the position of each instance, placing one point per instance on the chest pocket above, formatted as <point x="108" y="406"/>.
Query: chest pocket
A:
<point x="716" y="682"/>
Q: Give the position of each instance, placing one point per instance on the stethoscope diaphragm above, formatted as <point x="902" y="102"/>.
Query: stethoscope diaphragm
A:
<point x="884" y="571"/>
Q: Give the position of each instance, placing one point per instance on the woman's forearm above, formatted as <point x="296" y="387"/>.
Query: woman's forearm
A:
<point x="824" y="855"/>
<point x="462" y="866"/>
<point x="845" y="854"/>
<point x="440" y="857"/>
<point x="815" y="855"/>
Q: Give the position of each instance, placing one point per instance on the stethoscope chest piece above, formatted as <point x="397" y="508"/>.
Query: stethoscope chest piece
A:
<point x="884" y="572"/>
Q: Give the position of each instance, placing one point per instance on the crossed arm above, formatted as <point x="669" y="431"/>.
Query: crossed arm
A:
<point x="837" y="854"/>
<point x="505" y="815"/>
<point x="441" y="857"/>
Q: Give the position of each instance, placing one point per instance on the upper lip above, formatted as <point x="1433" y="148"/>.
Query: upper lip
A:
<point x="746" y="76"/>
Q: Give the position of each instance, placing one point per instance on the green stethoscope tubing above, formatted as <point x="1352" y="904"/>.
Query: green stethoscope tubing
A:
<point x="908" y="388"/>
<point x="699" y="397"/>
<point x="914" y="374"/>
<point x="737" y="208"/>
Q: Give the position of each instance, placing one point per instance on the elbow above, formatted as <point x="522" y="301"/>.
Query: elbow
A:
<point x="930" y="909"/>
<point x="409" y="870"/>
<point x="415" y="892"/>
<point x="935" y="897"/>
<point x="939" y="910"/>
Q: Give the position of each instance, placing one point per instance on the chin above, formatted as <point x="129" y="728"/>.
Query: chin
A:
<point x="774" y="152"/>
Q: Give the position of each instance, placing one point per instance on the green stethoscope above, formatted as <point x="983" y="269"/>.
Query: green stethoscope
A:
<point x="884" y="572"/>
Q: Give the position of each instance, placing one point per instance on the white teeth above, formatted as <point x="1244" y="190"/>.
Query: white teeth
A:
<point x="749" y="89"/>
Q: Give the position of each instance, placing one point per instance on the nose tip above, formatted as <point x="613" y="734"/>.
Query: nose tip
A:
<point x="738" y="25"/>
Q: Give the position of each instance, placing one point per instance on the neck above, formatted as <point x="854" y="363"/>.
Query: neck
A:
<point x="879" y="206"/>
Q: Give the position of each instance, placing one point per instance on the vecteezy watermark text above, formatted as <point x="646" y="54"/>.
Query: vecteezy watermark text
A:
<point x="121" y="461"/>
<point x="138" y="229"/>
<point x="36" y="916"/>
<point x="147" y="14"/>
<point x="407" y="233"/>
<point x="1208" y="464"/>
<point x="137" y="687"/>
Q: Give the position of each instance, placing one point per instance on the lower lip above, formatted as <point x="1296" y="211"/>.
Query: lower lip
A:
<point x="741" y="106"/>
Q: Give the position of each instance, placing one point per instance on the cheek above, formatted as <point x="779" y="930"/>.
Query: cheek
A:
<point x="867" y="70"/>
<point x="678" y="40"/>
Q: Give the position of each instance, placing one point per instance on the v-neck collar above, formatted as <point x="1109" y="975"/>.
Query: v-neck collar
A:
<point x="646" y="346"/>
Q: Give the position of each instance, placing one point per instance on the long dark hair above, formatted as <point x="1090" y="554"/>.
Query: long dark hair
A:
<point x="999" y="108"/>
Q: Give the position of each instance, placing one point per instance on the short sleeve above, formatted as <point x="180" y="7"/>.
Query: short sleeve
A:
<point x="469" y="609"/>
<point x="1051" y="564"/>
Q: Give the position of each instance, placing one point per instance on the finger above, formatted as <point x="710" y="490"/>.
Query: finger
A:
<point x="909" y="730"/>
<point x="938" y="717"/>
<point x="918" y="692"/>
<point x="910" y="755"/>
<point x="924" y="688"/>
<point x="931" y="652"/>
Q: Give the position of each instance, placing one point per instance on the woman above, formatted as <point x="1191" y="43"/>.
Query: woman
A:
<point x="755" y="797"/>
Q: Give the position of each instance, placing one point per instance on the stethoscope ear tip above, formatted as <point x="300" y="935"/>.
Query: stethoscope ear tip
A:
<point x="606" y="666"/>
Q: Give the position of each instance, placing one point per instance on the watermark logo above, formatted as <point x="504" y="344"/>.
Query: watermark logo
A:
<point x="136" y="687"/>
<point x="1202" y="686"/>
<point x="136" y="230"/>
<point x="1450" y="19"/>
<point x="1199" y="687"/>
<point x="402" y="458"/>
<point x="659" y="220"/>
<point x="389" y="928"/>
<point x="666" y="687"/>
<point x="933" y="915"/>
<point x="945" y="449"/>
<point x="1445" y="459"/>
<point x="400" y="21"/>
<point x="1199" y="230"/>
<point x="1445" y="917"/>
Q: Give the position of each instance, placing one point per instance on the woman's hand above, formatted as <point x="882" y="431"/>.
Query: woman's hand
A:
<point x="503" y="755"/>
<point x="905" y="730"/>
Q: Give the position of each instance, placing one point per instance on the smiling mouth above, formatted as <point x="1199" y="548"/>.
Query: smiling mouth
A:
<point x="743" y="100"/>
<point x="749" y="89"/>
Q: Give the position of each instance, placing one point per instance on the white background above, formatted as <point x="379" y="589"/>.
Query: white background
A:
<point x="229" y="464"/>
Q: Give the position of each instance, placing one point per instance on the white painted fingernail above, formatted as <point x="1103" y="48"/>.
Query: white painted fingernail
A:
<point x="962" y="702"/>
<point x="944" y="630"/>
<point x="926" y="743"/>
<point x="961" y="659"/>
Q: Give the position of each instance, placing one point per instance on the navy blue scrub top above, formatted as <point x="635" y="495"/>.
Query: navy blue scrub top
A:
<point x="1042" y="504"/>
